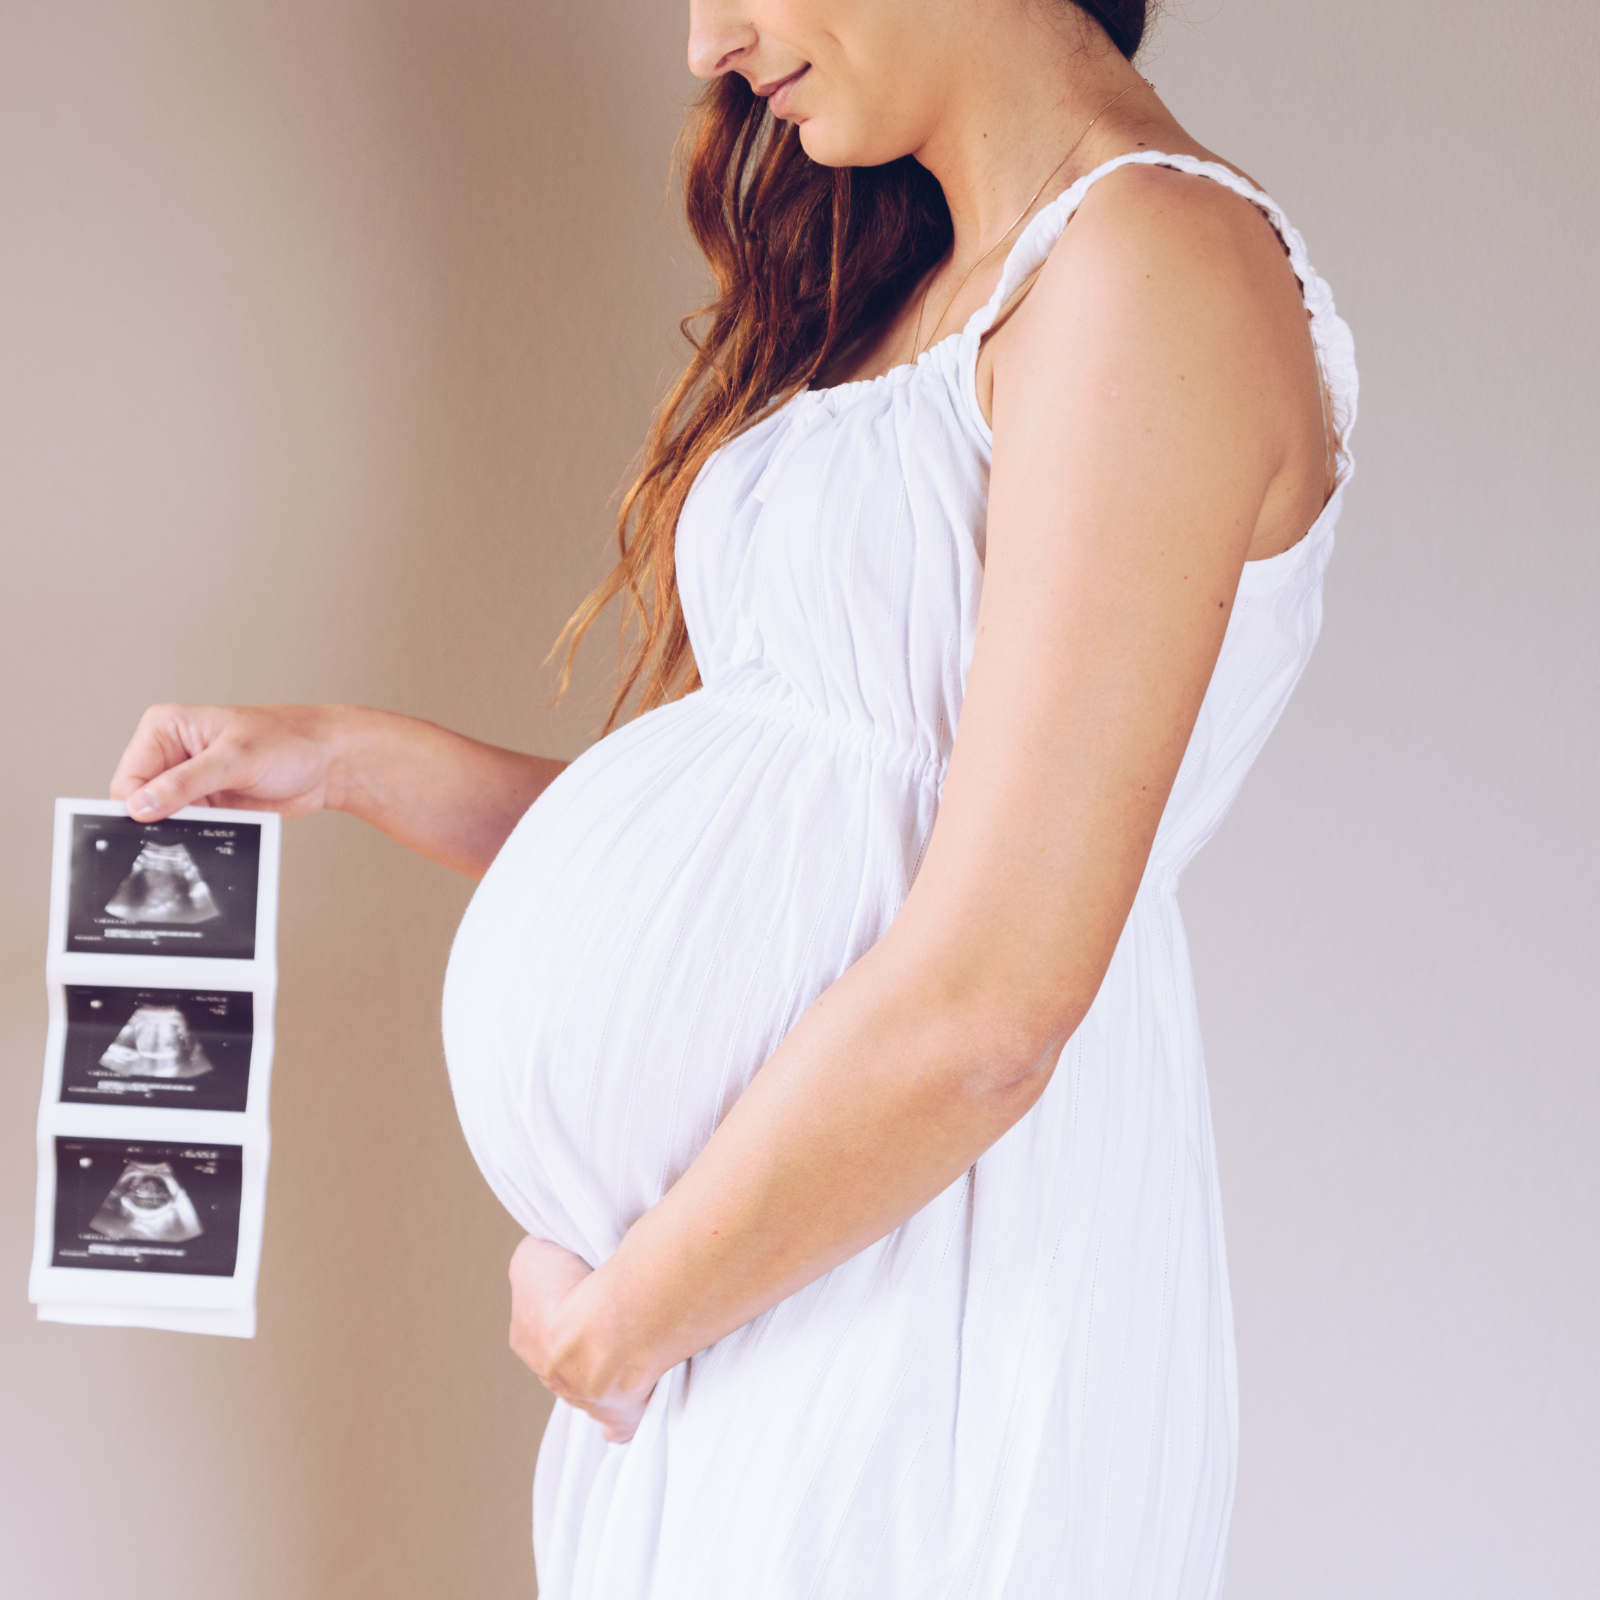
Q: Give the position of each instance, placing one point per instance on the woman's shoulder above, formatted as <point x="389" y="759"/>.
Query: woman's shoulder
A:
<point x="1169" y="298"/>
<point x="1161" y="208"/>
<point x="1168" y="241"/>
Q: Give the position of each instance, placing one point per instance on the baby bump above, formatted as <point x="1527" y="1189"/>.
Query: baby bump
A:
<point x="652" y="929"/>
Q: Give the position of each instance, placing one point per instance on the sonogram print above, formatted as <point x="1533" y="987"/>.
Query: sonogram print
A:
<point x="184" y="887"/>
<point x="137" y="1206"/>
<point x="164" y="886"/>
<point x="178" y="1049"/>
<point x="156" y="1043"/>
<point x="147" y="1202"/>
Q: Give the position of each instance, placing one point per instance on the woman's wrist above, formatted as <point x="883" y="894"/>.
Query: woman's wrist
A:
<point x="358" y="742"/>
<point x="604" y="1348"/>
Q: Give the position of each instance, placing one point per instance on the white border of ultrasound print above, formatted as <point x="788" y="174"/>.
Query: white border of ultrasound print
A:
<point x="92" y="1286"/>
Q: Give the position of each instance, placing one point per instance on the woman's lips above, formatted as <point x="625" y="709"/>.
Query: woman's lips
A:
<point x="777" y="94"/>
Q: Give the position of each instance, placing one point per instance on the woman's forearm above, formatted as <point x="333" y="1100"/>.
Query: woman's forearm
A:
<point x="448" y="797"/>
<point x="887" y="1090"/>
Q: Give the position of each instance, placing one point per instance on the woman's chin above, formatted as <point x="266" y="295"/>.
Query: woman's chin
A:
<point x="825" y="147"/>
<point x="829" y="145"/>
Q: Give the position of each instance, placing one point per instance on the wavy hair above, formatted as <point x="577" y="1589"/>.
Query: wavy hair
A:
<point x="805" y="259"/>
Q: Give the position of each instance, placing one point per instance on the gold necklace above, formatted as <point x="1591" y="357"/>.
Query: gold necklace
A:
<point x="922" y="304"/>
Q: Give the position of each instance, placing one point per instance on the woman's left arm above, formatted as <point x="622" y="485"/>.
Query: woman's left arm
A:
<point x="1138" y="429"/>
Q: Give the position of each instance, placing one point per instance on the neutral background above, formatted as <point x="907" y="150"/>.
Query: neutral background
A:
<point x="326" y="333"/>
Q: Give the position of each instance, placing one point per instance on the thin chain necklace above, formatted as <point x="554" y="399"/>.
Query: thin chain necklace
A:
<point x="916" y="337"/>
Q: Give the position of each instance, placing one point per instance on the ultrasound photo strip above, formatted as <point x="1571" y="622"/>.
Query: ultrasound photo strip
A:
<point x="153" y="1132"/>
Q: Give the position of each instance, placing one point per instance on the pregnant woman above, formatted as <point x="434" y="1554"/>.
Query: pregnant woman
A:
<point x="828" y="1025"/>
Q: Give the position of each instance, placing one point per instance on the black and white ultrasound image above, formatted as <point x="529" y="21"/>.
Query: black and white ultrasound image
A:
<point x="132" y="1206"/>
<point x="179" y="1049"/>
<point x="175" y="888"/>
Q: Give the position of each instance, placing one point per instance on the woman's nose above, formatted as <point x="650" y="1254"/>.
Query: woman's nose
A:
<point x="718" y="36"/>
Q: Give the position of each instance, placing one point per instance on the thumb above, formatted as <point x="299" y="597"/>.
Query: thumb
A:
<point x="186" y="784"/>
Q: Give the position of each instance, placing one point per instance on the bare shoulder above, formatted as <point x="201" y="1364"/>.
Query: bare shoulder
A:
<point x="1163" y="274"/>
<point x="1170" y="299"/>
<point x="1150" y="234"/>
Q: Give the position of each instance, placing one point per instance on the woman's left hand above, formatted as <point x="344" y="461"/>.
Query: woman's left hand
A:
<point x="559" y="1330"/>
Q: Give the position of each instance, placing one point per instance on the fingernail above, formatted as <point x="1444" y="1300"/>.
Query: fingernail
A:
<point x="143" y="804"/>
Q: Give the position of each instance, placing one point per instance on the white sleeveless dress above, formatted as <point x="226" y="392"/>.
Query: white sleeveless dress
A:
<point x="1027" y="1390"/>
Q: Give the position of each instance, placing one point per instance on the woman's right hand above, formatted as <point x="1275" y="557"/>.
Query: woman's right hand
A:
<point x="447" y="797"/>
<point x="260" y="758"/>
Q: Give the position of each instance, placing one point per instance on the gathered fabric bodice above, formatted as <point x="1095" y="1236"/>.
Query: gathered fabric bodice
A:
<point x="830" y="558"/>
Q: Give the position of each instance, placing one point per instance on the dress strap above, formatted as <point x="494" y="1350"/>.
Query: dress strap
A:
<point x="1331" y="337"/>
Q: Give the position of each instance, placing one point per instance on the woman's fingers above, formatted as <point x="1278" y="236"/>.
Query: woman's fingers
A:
<point x="210" y="775"/>
<point x="542" y="1275"/>
<point x="617" y="1425"/>
<point x="162" y="740"/>
<point x="271" y="758"/>
<point x="175" y="758"/>
<point x="561" y="1354"/>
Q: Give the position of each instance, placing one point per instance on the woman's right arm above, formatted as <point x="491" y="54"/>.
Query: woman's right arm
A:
<point x="447" y="797"/>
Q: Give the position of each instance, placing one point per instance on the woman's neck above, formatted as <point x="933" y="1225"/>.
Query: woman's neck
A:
<point x="1014" y="111"/>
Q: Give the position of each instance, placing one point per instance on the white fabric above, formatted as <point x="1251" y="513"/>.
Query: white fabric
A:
<point x="1028" y="1389"/>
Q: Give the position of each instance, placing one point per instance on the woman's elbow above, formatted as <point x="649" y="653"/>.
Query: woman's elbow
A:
<point x="994" y="1022"/>
<point x="1013" y="1041"/>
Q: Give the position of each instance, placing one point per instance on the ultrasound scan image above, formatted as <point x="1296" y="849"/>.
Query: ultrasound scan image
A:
<point x="164" y="886"/>
<point x="156" y="1043"/>
<point x="147" y="1202"/>
<point x="183" y="887"/>
<point x="142" y="1206"/>
<point x="176" y="1049"/>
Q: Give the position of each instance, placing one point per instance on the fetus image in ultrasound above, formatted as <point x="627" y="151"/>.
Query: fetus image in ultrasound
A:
<point x="183" y="887"/>
<point x="164" y="886"/>
<point x="182" y="1049"/>
<point x="147" y="1202"/>
<point x="139" y="1206"/>
<point x="156" y="1043"/>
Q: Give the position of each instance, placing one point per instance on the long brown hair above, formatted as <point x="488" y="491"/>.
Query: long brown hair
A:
<point x="805" y="259"/>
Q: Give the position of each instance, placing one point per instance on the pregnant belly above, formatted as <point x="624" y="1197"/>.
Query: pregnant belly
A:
<point x="653" y="927"/>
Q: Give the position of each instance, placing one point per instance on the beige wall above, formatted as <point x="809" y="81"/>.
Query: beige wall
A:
<point x="1394" y="933"/>
<point x="326" y="331"/>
